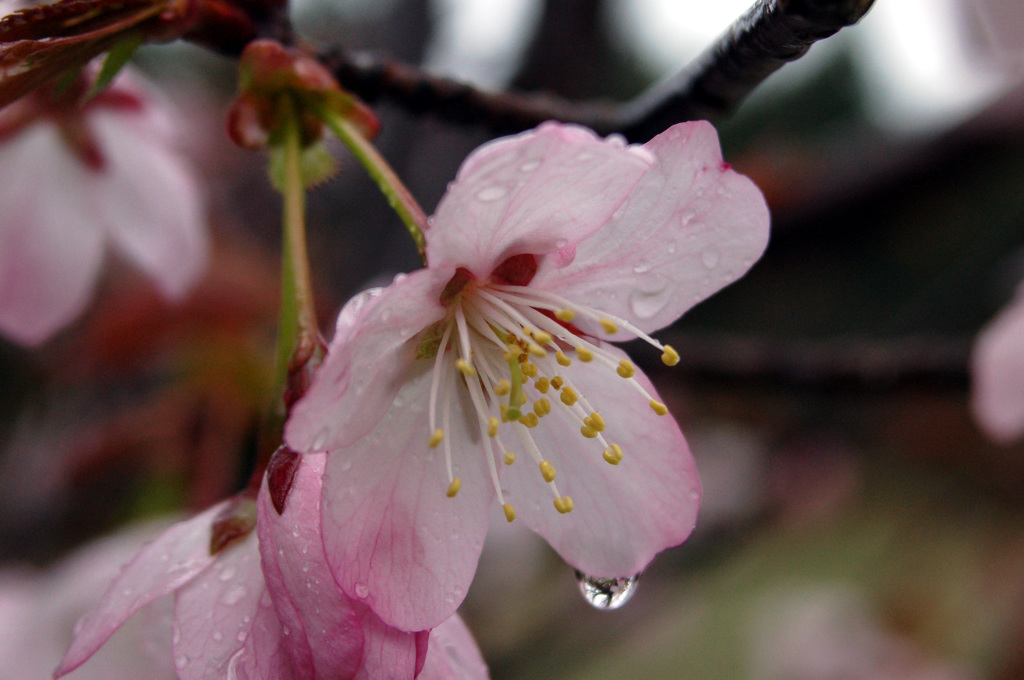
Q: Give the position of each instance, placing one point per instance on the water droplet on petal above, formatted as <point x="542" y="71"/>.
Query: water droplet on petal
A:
<point x="181" y="662"/>
<point x="227" y="574"/>
<point x="175" y="634"/>
<point x="491" y="193"/>
<point x="650" y="296"/>
<point x="710" y="258"/>
<point x="234" y="596"/>
<point x="217" y="636"/>
<point x="641" y="267"/>
<point x="529" y="166"/>
<point x="361" y="590"/>
<point x="607" y="593"/>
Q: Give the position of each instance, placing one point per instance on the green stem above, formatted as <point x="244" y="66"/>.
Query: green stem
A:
<point x="399" y="198"/>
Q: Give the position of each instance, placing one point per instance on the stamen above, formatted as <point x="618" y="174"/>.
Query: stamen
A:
<point x="510" y="512"/>
<point x="557" y="382"/>
<point x="626" y="369"/>
<point x="584" y="354"/>
<point x="465" y="368"/>
<point x="503" y="387"/>
<point x="541" y="385"/>
<point x="609" y="326"/>
<point x="670" y="356"/>
<point x="542" y="337"/>
<point x="492" y="426"/>
<point x="435" y="378"/>
<point x="542" y="407"/>
<point x="530" y="420"/>
<point x="536" y="350"/>
<point x="566" y="315"/>
<point x="547" y="470"/>
<point x="436" y="438"/>
<point x="658" y="407"/>
<point x="529" y="370"/>
<point x="454" y="487"/>
<point x="563" y="505"/>
<point x="510" y="457"/>
<point x="562" y="359"/>
<point x="613" y="454"/>
<point x="588" y="432"/>
<point x="569" y="396"/>
<point x="596" y="421"/>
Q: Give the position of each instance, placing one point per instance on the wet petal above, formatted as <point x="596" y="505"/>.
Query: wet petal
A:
<point x="50" y="246"/>
<point x="176" y="557"/>
<point x="623" y="514"/>
<point x="394" y="539"/>
<point x="538" y="192"/>
<point x="389" y="652"/>
<point x="211" y="611"/>
<point x="690" y="227"/>
<point x="325" y="637"/>
<point x="372" y="351"/>
<point x="453" y="654"/>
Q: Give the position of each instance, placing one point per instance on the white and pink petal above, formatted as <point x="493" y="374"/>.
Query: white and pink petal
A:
<point x="690" y="227"/>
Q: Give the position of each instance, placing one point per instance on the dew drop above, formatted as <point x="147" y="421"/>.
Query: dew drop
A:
<point x="127" y="592"/>
<point x="181" y="662"/>
<point x="227" y="574"/>
<point x="234" y="596"/>
<point x="491" y="193"/>
<point x="710" y="258"/>
<point x="529" y="166"/>
<point x="361" y="590"/>
<point x="175" y="634"/>
<point x="650" y="296"/>
<point x="217" y="636"/>
<point x="641" y="267"/>
<point x="241" y="636"/>
<point x="607" y="593"/>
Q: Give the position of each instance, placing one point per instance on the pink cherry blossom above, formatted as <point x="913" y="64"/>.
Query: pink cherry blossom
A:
<point x="487" y="375"/>
<point x="266" y="606"/>
<point x="78" y="180"/>
<point x="997" y="371"/>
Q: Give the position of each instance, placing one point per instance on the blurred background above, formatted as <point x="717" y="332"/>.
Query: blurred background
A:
<point x="856" y="523"/>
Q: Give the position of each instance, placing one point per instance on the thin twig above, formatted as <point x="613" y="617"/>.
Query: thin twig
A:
<point x="770" y="34"/>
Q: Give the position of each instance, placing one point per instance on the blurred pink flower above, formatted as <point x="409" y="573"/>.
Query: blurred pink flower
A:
<point x="546" y="245"/>
<point x="266" y="606"/>
<point x="997" y="372"/>
<point x="76" y="179"/>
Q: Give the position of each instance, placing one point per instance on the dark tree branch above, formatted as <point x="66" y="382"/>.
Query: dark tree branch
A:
<point x="770" y="34"/>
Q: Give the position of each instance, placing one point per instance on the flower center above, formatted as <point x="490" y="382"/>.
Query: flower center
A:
<point x="508" y="345"/>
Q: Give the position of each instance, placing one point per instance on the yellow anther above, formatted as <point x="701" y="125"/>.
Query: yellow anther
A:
<point x="565" y="315"/>
<point x="510" y="512"/>
<point x="465" y="367"/>
<point x="609" y="326"/>
<point x="530" y="420"/>
<point x="596" y="421"/>
<point x="584" y="354"/>
<point x="547" y="470"/>
<point x="511" y="353"/>
<point x="659" y="408"/>
<point x="523" y="357"/>
<point x="536" y="350"/>
<point x="503" y="387"/>
<point x="563" y="505"/>
<point x="510" y="457"/>
<point x="557" y="382"/>
<point x="436" y="438"/>
<point x="542" y="407"/>
<point x="542" y="337"/>
<point x="562" y="359"/>
<point x="492" y="426"/>
<point x="527" y="331"/>
<point x="569" y="396"/>
<point x="626" y="369"/>
<point x="454" y="487"/>
<point x="613" y="454"/>
<point x="521" y="399"/>
<point x="530" y="370"/>
<point x="588" y="432"/>
<point x="542" y="385"/>
<point x="670" y="356"/>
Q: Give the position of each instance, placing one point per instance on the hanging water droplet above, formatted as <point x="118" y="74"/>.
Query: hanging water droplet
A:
<point x="361" y="590"/>
<point x="491" y="193"/>
<point x="607" y="593"/>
